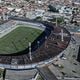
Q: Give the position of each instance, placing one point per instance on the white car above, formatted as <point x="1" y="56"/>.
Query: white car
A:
<point x="63" y="58"/>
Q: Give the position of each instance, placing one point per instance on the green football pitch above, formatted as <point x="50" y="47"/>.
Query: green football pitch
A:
<point x="18" y="39"/>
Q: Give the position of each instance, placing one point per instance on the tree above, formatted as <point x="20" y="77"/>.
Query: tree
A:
<point x="52" y="9"/>
<point x="27" y="0"/>
<point x="38" y="18"/>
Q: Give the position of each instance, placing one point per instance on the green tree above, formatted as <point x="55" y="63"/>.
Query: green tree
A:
<point x="52" y="9"/>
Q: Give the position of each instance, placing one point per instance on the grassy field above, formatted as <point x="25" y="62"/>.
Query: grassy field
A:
<point x="18" y="39"/>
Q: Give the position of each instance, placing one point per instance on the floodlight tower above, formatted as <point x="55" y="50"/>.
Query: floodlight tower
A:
<point x="56" y="22"/>
<point x="30" y="56"/>
<point x="38" y="42"/>
<point x="46" y="42"/>
<point x="3" y="15"/>
<point x="62" y="36"/>
<point x="7" y="17"/>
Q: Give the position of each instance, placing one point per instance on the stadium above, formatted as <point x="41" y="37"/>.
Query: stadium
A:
<point x="27" y="44"/>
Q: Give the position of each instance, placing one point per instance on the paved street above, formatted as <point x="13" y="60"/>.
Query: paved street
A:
<point x="20" y="74"/>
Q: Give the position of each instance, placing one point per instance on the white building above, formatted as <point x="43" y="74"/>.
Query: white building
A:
<point x="0" y="1"/>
